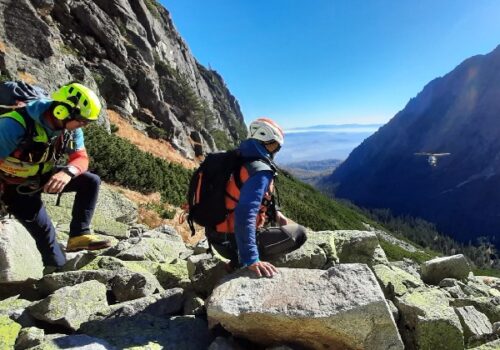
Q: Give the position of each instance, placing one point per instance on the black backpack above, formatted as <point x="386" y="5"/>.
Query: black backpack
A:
<point x="13" y="91"/>
<point x="207" y="188"/>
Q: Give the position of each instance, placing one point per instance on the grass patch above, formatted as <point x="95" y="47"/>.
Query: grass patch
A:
<point x="486" y="272"/>
<point x="396" y="253"/>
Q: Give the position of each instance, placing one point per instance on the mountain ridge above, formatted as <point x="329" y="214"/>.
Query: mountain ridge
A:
<point x="454" y="113"/>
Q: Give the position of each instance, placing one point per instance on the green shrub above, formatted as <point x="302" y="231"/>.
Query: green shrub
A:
<point x="221" y="140"/>
<point x="159" y="208"/>
<point x="118" y="161"/>
<point x="113" y="128"/>
<point x="309" y="207"/>
<point x="178" y="91"/>
<point x="152" y="6"/>
<point x="156" y="132"/>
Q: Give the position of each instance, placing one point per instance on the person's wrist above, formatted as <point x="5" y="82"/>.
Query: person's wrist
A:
<point x="70" y="170"/>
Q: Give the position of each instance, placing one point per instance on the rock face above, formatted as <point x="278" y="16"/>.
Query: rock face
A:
<point x="341" y="308"/>
<point x="19" y="257"/>
<point x="457" y="114"/>
<point x="130" y="52"/>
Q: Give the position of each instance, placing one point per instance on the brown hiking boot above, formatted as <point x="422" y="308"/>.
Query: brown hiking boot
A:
<point x="87" y="242"/>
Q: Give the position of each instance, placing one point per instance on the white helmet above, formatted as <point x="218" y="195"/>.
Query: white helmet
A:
<point x="266" y="130"/>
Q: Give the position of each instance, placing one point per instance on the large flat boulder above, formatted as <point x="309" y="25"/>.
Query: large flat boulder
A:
<point x="340" y="308"/>
<point x="71" y="306"/>
<point x="456" y="266"/>
<point x="19" y="256"/>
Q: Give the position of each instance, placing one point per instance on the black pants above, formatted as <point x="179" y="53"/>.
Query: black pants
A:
<point x="31" y="212"/>
<point x="271" y="242"/>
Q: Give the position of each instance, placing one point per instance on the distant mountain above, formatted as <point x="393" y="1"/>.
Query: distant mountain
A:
<point x="459" y="114"/>
<point x="311" y="171"/>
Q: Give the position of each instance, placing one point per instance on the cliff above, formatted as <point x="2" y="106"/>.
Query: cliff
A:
<point x="130" y="52"/>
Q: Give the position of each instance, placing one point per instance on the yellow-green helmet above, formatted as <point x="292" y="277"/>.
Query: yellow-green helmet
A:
<point x="78" y="97"/>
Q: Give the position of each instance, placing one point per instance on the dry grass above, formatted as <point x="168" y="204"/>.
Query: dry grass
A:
<point x="159" y="148"/>
<point x="152" y="219"/>
<point x="30" y="79"/>
<point x="164" y="150"/>
<point x="3" y="47"/>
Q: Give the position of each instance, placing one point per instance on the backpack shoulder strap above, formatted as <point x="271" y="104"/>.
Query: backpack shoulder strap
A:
<point x="21" y="116"/>
<point x="255" y="165"/>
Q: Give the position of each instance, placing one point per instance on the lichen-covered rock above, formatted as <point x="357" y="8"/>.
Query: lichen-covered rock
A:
<point x="143" y="331"/>
<point x="113" y="211"/>
<point x="309" y="256"/>
<point x="394" y="281"/>
<point x="395" y="241"/>
<point x="356" y="246"/>
<point x="10" y="305"/>
<point x="428" y="321"/>
<point x="29" y="337"/>
<point x="73" y="342"/>
<point x="19" y="256"/>
<point x="340" y="308"/>
<point x="408" y="265"/>
<point x="494" y="345"/>
<point x="171" y="275"/>
<point x="481" y="286"/>
<point x="153" y="249"/>
<point x="488" y="306"/>
<point x="15" y="308"/>
<point x="205" y="271"/>
<point x="318" y="252"/>
<point x="52" y="282"/>
<point x="163" y="304"/>
<point x="456" y="266"/>
<point x="379" y="256"/>
<point x="474" y="323"/>
<point x="71" y="306"/>
<point x="128" y="285"/>
<point x="9" y="331"/>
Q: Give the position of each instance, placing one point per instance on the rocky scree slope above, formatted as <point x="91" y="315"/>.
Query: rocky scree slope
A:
<point x="130" y="52"/>
<point x="457" y="113"/>
<point x="152" y="291"/>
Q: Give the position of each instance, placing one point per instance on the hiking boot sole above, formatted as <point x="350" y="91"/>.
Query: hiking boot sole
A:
<point x="92" y="246"/>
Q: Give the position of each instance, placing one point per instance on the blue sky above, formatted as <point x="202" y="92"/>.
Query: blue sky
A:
<point x="307" y="62"/>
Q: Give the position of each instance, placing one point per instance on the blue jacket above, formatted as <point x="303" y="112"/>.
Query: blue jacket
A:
<point x="12" y="133"/>
<point x="251" y="195"/>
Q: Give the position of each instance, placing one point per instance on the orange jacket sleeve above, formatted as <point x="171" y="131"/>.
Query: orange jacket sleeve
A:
<point x="80" y="160"/>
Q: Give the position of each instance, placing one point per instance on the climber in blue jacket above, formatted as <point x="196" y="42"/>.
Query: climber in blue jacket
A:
<point x="245" y="237"/>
